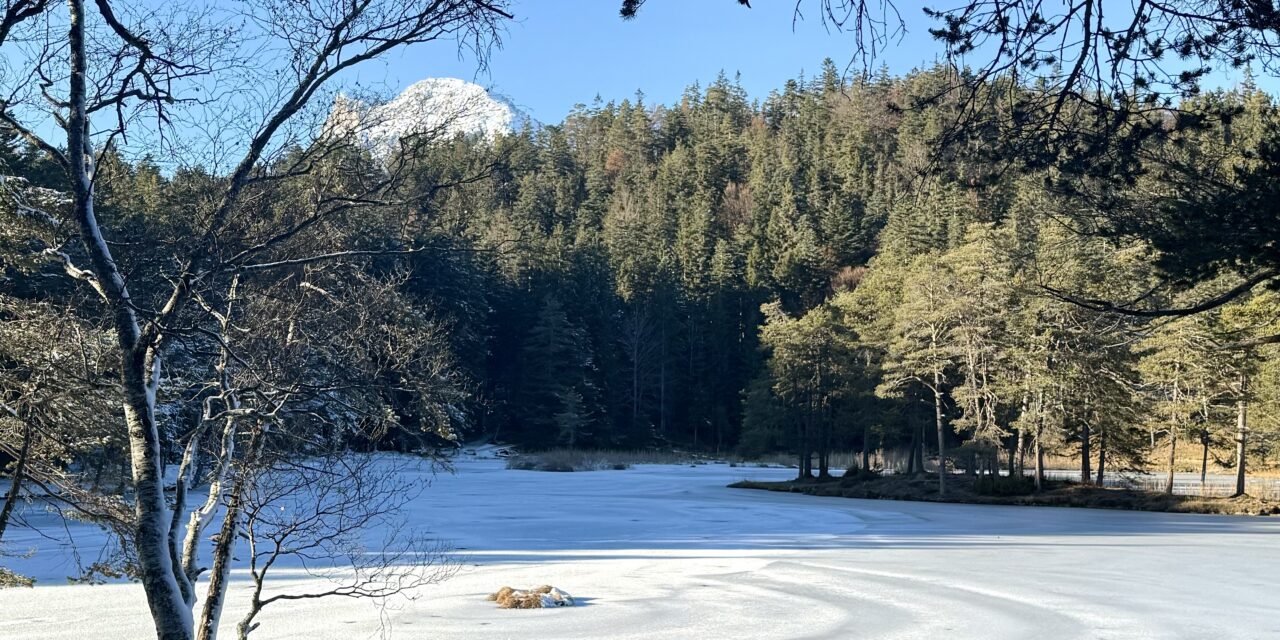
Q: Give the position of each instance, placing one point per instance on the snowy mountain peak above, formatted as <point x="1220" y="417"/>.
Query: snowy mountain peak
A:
<point x="435" y="107"/>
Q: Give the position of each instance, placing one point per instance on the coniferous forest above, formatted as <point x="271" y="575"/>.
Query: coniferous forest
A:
<point x="798" y="273"/>
<point x="223" y="284"/>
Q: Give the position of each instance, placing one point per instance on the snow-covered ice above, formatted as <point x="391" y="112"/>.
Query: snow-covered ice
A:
<point x="670" y="552"/>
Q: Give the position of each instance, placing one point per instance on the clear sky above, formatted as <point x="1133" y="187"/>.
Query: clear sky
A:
<point x="560" y="53"/>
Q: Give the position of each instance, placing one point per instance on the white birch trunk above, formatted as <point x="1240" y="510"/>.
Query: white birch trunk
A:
<point x="140" y="364"/>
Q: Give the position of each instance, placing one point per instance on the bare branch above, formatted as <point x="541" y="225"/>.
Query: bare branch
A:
<point x="1212" y="303"/>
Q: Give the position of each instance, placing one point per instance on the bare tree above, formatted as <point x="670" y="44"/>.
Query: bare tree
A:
<point x="130" y="69"/>
<point x="303" y="370"/>
<point x="337" y="516"/>
<point x="56" y="405"/>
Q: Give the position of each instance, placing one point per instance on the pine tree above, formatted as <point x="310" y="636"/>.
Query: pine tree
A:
<point x="554" y="374"/>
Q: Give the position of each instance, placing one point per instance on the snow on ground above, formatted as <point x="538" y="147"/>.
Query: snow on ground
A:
<point x="670" y="552"/>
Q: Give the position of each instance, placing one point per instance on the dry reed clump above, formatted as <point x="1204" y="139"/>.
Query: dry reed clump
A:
<point x="9" y="579"/>
<point x="537" y="598"/>
<point x="594" y="459"/>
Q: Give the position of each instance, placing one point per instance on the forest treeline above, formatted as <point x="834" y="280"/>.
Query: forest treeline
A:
<point x="806" y="273"/>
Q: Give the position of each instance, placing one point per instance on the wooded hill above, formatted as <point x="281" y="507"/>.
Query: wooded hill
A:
<point x="810" y="272"/>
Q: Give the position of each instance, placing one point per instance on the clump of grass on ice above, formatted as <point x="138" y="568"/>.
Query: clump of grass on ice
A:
<point x="542" y="597"/>
<point x="9" y="579"/>
<point x="594" y="459"/>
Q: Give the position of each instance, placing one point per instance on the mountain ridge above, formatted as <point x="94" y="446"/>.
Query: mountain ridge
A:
<point x="432" y="107"/>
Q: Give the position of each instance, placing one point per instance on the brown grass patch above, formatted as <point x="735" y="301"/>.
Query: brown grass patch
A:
<point x="596" y="459"/>
<point x="9" y="579"/>
<point x="964" y="489"/>
<point x="535" y="598"/>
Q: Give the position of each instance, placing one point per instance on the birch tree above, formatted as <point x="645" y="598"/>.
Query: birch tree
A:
<point x="130" y="70"/>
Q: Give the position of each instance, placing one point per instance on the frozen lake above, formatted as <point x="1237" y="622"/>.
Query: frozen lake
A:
<point x="670" y="552"/>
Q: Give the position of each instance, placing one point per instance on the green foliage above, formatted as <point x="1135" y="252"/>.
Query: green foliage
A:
<point x="811" y="272"/>
<point x="819" y="377"/>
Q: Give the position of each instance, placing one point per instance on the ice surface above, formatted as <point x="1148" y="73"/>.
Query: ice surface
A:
<point x="670" y="552"/>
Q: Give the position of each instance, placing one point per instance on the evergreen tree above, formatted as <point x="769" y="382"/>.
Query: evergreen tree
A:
<point x="554" y="370"/>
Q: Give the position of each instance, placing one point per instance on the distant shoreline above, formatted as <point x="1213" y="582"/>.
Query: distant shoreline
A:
<point x="961" y="490"/>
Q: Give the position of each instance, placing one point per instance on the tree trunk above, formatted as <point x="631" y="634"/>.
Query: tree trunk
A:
<point x="921" y="442"/>
<point x="140" y="362"/>
<point x="1173" y="439"/>
<point x="1039" y="463"/>
<point x="151" y="530"/>
<point x="99" y="467"/>
<point x="200" y="518"/>
<point x="1021" y="462"/>
<point x="635" y="335"/>
<point x="188" y="472"/>
<point x="1086" y="475"/>
<point x="222" y="556"/>
<point x="824" y="462"/>
<point x="915" y="441"/>
<point x="942" y="444"/>
<point x="689" y="371"/>
<point x="1102" y="457"/>
<point x="1204" y="457"/>
<point x="635" y="394"/>
<point x="1013" y="458"/>
<point x="186" y="475"/>
<point x="866" y="447"/>
<point x="1242" y="423"/>
<point x="1040" y="442"/>
<point x="803" y="449"/>
<point x="223" y="549"/>
<point x="824" y="455"/>
<point x="15" y="485"/>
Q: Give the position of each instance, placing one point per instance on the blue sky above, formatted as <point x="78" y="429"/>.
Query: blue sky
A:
<point x="563" y="52"/>
<point x="560" y="53"/>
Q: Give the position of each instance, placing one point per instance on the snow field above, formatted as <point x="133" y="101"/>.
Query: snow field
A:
<point x="670" y="552"/>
